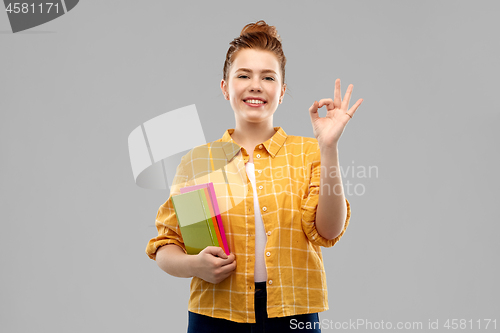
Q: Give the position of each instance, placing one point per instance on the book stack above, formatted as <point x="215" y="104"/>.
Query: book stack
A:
<point x="199" y="218"/>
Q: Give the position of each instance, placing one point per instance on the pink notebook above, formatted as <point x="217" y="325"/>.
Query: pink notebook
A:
<point x="211" y="190"/>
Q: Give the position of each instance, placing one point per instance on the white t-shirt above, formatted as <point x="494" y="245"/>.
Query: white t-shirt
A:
<point x="260" y="273"/>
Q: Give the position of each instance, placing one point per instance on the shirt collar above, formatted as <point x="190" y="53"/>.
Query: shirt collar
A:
<point x="272" y="145"/>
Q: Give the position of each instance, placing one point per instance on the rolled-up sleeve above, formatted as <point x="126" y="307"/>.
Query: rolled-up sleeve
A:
<point x="168" y="230"/>
<point x="310" y="205"/>
<point x="166" y="221"/>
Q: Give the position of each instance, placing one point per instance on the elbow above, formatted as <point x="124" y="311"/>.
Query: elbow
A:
<point x="333" y="232"/>
<point x="172" y="259"/>
<point x="162" y="259"/>
<point x="332" y="229"/>
<point x="332" y="236"/>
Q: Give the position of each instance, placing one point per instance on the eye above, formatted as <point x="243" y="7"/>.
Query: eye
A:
<point x="242" y="76"/>
<point x="271" y="78"/>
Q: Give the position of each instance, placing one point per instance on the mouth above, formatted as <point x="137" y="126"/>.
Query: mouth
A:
<point x="254" y="102"/>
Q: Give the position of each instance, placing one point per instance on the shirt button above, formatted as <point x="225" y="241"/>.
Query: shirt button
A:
<point x="270" y="281"/>
<point x="258" y="155"/>
<point x="261" y="187"/>
<point x="260" y="171"/>
<point x="269" y="233"/>
<point x="260" y="146"/>
<point x="264" y="208"/>
<point x="268" y="254"/>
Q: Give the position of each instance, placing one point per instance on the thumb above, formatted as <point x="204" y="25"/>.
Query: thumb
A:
<point x="313" y="111"/>
<point x="216" y="251"/>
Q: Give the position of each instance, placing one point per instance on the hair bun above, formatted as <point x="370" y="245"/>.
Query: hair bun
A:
<point x="260" y="26"/>
<point x="258" y="36"/>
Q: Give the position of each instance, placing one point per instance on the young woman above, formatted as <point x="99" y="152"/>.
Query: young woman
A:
<point x="274" y="278"/>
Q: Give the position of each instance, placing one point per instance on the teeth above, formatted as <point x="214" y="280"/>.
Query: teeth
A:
<point x="254" y="101"/>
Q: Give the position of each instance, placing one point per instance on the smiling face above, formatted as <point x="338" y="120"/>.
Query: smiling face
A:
<point x="254" y="85"/>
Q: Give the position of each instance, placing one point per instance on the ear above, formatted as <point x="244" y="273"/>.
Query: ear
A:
<point x="223" y="87"/>
<point x="283" y="90"/>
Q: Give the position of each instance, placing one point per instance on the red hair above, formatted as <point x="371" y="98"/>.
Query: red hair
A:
<point x="260" y="36"/>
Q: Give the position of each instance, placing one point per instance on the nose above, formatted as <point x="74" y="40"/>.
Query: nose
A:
<point x="255" y="84"/>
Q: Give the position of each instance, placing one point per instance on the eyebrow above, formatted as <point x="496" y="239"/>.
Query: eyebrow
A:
<point x="250" y="71"/>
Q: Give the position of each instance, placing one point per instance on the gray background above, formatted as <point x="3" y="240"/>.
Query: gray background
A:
<point x="423" y="240"/>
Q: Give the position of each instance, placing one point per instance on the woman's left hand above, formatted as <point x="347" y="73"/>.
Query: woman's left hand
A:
<point x="328" y="130"/>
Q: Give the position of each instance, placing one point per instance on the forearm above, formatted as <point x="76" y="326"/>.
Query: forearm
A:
<point x="173" y="260"/>
<point x="332" y="209"/>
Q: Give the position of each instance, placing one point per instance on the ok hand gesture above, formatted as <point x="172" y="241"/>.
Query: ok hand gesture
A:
<point x="328" y="130"/>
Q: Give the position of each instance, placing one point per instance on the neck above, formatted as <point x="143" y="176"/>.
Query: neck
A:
<point x="251" y="134"/>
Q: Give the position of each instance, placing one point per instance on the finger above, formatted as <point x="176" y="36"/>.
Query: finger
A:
<point x="328" y="102"/>
<point x="313" y="111"/>
<point x="347" y="97"/>
<point x="228" y="260"/>
<point x="231" y="267"/>
<point x="221" y="253"/>
<point x="216" y="251"/>
<point x="356" y="105"/>
<point x="337" y="101"/>
<point x="232" y="263"/>
<point x="225" y="271"/>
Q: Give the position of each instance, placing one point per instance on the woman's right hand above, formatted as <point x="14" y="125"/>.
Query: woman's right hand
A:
<point x="213" y="265"/>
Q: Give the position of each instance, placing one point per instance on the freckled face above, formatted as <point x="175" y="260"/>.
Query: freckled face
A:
<point x="254" y="85"/>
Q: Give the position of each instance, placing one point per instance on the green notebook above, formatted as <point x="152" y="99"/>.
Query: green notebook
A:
<point x="195" y="221"/>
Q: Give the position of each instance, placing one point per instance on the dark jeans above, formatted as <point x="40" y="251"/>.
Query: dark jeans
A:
<point x="206" y="324"/>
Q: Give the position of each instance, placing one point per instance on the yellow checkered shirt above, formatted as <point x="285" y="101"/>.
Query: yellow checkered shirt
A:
<point x="287" y="172"/>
